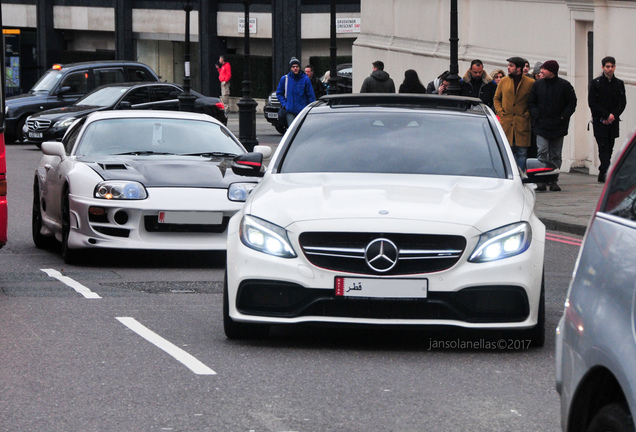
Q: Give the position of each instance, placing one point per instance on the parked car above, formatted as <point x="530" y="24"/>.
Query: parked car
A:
<point x="51" y="125"/>
<point x="138" y="180"/>
<point x="64" y="84"/>
<point x="390" y="210"/>
<point x="596" y="343"/>
<point x="270" y="110"/>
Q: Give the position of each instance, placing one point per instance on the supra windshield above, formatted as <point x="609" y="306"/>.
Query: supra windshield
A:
<point x="48" y="81"/>
<point x="153" y="136"/>
<point x="104" y="97"/>
<point x="378" y="141"/>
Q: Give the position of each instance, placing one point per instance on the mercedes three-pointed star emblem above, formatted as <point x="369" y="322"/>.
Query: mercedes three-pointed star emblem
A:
<point x="381" y="255"/>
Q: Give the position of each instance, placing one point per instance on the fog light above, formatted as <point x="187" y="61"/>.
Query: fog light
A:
<point x="121" y="217"/>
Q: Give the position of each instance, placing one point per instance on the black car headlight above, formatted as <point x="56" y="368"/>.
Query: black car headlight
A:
<point x="120" y="190"/>
<point x="503" y="242"/>
<point x="64" y="123"/>
<point x="265" y="237"/>
<point x="240" y="191"/>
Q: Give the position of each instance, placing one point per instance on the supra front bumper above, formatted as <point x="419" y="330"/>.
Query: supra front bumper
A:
<point x="134" y="224"/>
<point x="501" y="294"/>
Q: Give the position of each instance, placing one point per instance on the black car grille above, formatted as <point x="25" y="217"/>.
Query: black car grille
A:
<point x="416" y="253"/>
<point x="38" y="125"/>
<point x="274" y="101"/>
<point x="151" y="224"/>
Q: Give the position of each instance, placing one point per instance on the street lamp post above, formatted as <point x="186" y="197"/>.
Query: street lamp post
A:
<point x="333" y="69"/>
<point x="453" y="78"/>
<point x="186" y="99"/>
<point x="247" y="105"/>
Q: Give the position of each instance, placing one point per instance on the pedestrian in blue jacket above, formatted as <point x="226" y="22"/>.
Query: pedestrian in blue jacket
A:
<point x="294" y="91"/>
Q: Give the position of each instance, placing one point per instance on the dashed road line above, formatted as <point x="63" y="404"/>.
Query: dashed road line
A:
<point x="73" y="284"/>
<point x="180" y="355"/>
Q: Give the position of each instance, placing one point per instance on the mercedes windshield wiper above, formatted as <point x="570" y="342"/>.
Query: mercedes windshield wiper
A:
<point x="142" y="153"/>
<point x="210" y="154"/>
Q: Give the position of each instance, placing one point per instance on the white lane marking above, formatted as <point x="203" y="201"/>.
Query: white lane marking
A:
<point x="73" y="284"/>
<point x="180" y="355"/>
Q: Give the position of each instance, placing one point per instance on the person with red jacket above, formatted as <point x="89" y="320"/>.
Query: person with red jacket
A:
<point x="225" y="74"/>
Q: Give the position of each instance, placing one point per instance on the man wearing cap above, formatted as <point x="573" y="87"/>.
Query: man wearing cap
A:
<point x="511" y="106"/>
<point x="552" y="102"/>
<point x="379" y="81"/>
<point x="294" y="91"/>
<point x="607" y="101"/>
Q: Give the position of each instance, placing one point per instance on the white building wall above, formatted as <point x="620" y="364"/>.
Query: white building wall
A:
<point x="414" y="34"/>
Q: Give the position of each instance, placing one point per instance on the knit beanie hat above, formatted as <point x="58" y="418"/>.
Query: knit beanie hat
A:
<point x="537" y="68"/>
<point x="294" y="61"/>
<point x="552" y="66"/>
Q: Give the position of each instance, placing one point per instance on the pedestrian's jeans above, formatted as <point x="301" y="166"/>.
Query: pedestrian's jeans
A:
<point x="549" y="150"/>
<point x="521" y="154"/>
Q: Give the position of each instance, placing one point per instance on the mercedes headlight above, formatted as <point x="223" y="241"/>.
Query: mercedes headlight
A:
<point x="120" y="190"/>
<point x="240" y="191"/>
<point x="503" y="242"/>
<point x="64" y="123"/>
<point x="265" y="237"/>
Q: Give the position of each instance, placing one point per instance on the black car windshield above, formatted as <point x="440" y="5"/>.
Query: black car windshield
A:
<point x="48" y="81"/>
<point x="104" y="97"/>
<point x="402" y="142"/>
<point x="148" y="136"/>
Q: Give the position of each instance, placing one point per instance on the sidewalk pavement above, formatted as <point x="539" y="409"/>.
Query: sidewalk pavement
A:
<point x="571" y="209"/>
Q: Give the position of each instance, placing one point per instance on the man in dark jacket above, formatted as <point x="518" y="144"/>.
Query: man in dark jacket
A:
<point x="316" y="84"/>
<point x="379" y="81"/>
<point x="477" y="83"/>
<point x="551" y="104"/>
<point x="607" y="101"/>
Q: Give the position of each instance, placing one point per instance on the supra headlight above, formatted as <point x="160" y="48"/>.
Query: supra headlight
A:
<point x="64" y="123"/>
<point x="240" y="191"/>
<point x="503" y="242"/>
<point x="265" y="237"/>
<point x="121" y="190"/>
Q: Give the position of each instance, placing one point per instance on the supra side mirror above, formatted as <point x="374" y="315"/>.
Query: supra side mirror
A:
<point x="53" y="148"/>
<point x="249" y="165"/>
<point x="541" y="172"/>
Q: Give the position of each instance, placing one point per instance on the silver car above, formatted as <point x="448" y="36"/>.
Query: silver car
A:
<point x="596" y="341"/>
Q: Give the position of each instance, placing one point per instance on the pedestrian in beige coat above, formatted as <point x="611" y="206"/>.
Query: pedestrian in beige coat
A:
<point x="511" y="106"/>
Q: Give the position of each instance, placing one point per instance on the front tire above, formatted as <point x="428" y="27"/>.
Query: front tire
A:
<point x="612" y="418"/>
<point x="281" y="129"/>
<point x="70" y="256"/>
<point x="236" y="330"/>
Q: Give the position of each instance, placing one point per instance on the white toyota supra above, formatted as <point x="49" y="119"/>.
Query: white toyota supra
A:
<point x="156" y="180"/>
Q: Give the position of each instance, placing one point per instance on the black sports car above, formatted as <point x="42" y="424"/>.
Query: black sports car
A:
<point x="51" y="125"/>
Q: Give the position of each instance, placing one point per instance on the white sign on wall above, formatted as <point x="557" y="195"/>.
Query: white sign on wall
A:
<point x="347" y="25"/>
<point x="241" y="25"/>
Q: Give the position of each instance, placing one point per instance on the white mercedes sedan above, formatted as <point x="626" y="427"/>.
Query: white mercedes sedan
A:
<point x="390" y="210"/>
<point x="157" y="180"/>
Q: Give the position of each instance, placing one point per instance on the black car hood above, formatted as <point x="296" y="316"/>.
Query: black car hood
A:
<point x="69" y="111"/>
<point x="166" y="171"/>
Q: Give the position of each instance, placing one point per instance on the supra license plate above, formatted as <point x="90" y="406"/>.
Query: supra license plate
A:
<point x="381" y="288"/>
<point x="190" y="218"/>
<point x="272" y="115"/>
<point x="35" y="134"/>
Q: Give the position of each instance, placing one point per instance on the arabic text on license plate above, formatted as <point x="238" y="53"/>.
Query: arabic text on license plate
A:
<point x="35" y="134"/>
<point x="191" y="217"/>
<point x="272" y="115"/>
<point x="381" y="288"/>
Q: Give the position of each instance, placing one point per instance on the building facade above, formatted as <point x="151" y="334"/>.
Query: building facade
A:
<point x="414" y="34"/>
<point x="153" y="32"/>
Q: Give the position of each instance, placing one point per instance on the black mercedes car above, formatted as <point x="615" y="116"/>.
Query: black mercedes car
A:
<point x="64" y="84"/>
<point x="51" y="125"/>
